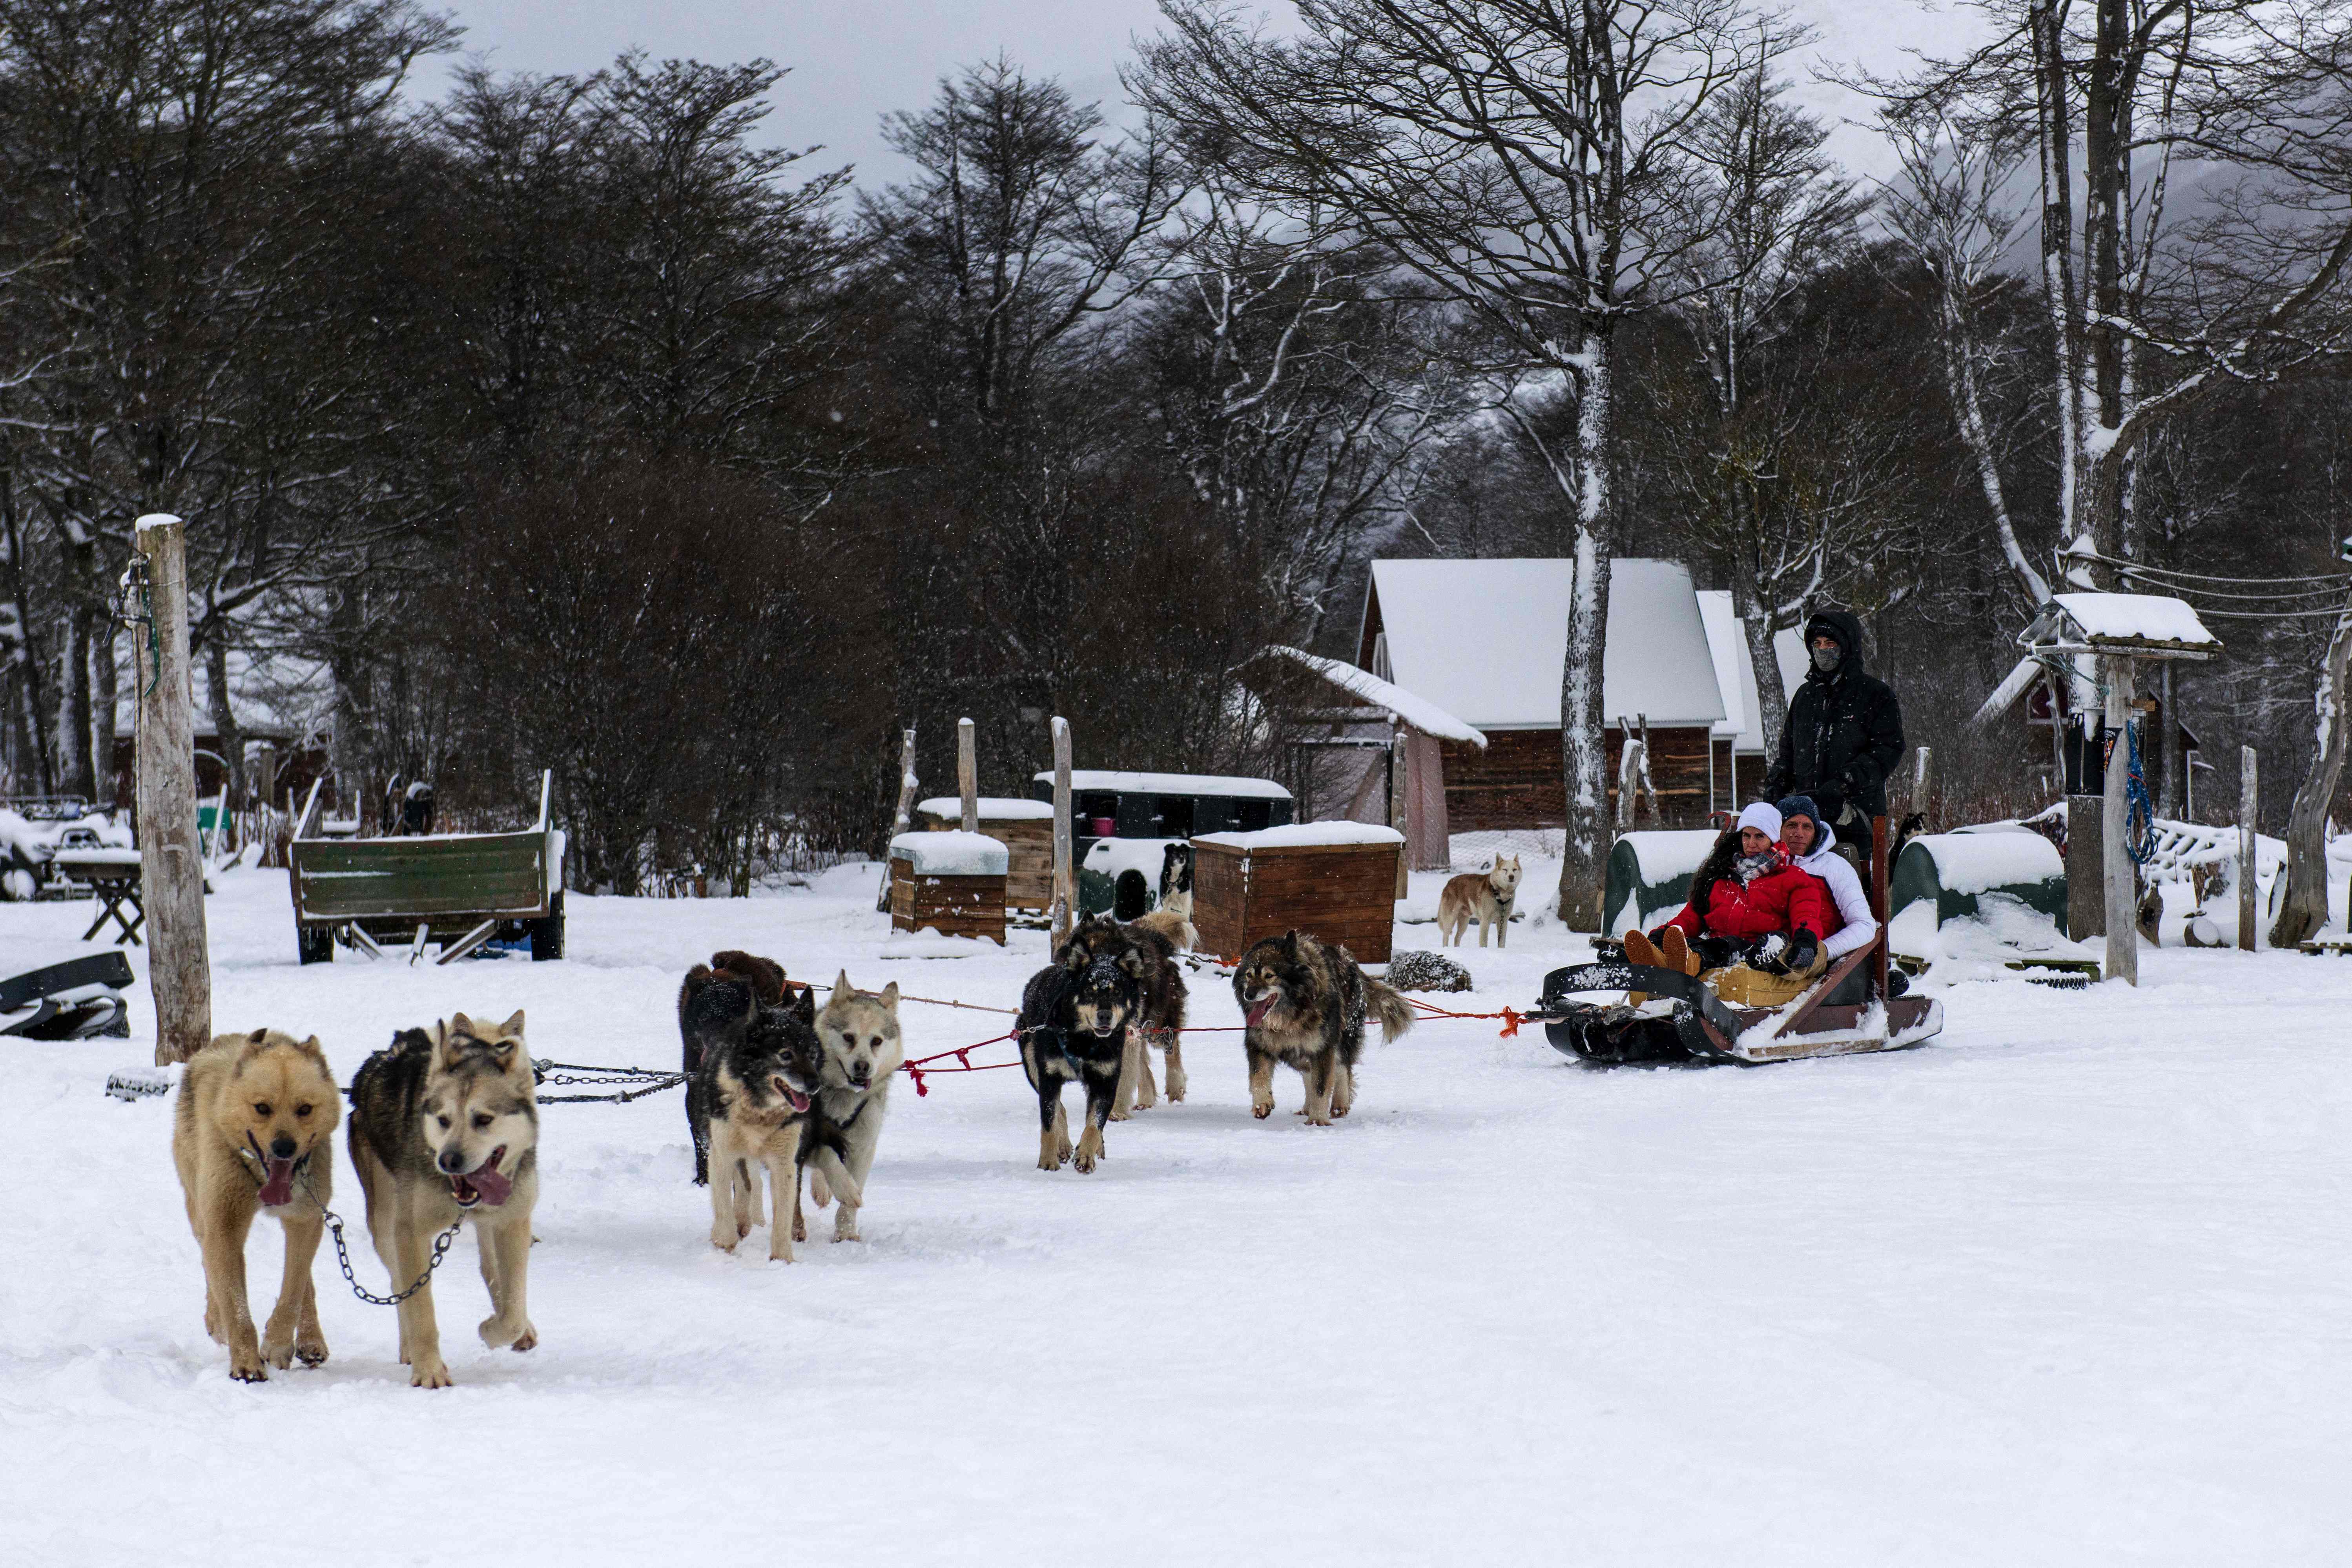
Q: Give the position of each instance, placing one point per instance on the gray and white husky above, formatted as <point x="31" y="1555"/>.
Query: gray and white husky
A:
<point x="858" y="1031"/>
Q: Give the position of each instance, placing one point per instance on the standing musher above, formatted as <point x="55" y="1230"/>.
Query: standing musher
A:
<point x="1843" y="736"/>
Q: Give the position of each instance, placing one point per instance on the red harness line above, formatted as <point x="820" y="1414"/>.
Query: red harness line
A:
<point x="917" y="1069"/>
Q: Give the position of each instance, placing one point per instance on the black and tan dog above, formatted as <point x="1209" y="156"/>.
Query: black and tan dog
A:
<point x="715" y="1003"/>
<point x="1305" y="1004"/>
<point x="1159" y="1020"/>
<point x="749" y="1106"/>
<point x="253" y="1112"/>
<point x="445" y="1126"/>
<point x="1073" y="1021"/>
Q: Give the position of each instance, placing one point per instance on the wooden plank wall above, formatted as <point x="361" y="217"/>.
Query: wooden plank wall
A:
<point x="1515" y="781"/>
<point x="952" y="906"/>
<point x="1029" y="884"/>
<point x="1339" y="893"/>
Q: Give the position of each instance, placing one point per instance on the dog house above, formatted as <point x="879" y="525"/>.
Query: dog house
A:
<point x="952" y="882"/>
<point x="1952" y="871"/>
<point x="1026" y="828"/>
<point x="1154" y="810"/>
<point x="1650" y="875"/>
<point x="1334" y="880"/>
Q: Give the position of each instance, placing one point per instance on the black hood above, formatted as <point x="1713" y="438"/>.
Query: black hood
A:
<point x="1846" y="629"/>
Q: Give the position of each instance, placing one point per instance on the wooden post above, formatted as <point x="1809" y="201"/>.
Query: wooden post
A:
<point x="1066" y="879"/>
<point x="2248" y="801"/>
<point x="2121" y="893"/>
<point x="179" y="967"/>
<point x="1401" y="799"/>
<point x="968" y="773"/>
<point x="907" y="784"/>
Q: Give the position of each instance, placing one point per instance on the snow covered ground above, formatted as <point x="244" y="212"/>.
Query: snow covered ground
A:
<point x="2069" y="1286"/>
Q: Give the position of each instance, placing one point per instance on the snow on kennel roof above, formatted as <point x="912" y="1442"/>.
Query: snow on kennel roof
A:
<point x="1417" y="712"/>
<point x="1169" y="784"/>
<point x="1485" y="639"/>
<point x="1299" y="835"/>
<point x="2155" y="624"/>
<point x="951" y="854"/>
<point x="993" y="808"/>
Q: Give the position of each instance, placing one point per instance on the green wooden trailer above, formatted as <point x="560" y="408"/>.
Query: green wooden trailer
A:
<point x="460" y="890"/>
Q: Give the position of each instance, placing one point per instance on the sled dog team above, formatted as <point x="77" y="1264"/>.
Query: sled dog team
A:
<point x="444" y="1124"/>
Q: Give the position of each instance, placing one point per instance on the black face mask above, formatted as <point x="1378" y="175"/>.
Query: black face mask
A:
<point x="1826" y="659"/>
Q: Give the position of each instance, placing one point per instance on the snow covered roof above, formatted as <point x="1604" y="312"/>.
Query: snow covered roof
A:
<point x="1305" y="833"/>
<point x="1485" y="639"/>
<point x="276" y="696"/>
<point x="2155" y="622"/>
<point x="993" y="808"/>
<point x="1417" y="712"/>
<point x="1734" y="673"/>
<point x="951" y="854"/>
<point x="1169" y="784"/>
<point x="1788" y="653"/>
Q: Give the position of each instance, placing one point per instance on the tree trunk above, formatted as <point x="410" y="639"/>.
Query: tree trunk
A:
<point x="1584" y="752"/>
<point x="107" y="680"/>
<point x="29" y="713"/>
<point x="1772" y="715"/>
<point x="225" y="730"/>
<point x="75" y="773"/>
<point x="2304" y="909"/>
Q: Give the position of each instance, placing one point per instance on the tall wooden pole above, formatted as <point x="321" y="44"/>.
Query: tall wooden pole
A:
<point x="2249" y="803"/>
<point x="907" y="784"/>
<point x="179" y="966"/>
<point x="968" y="773"/>
<point x="1066" y="877"/>
<point x="2122" y="895"/>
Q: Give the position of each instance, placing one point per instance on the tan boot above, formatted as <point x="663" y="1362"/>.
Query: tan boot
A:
<point x="1678" y="955"/>
<point x="1639" y="950"/>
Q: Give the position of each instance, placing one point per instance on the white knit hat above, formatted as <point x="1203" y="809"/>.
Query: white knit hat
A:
<point x="1763" y="816"/>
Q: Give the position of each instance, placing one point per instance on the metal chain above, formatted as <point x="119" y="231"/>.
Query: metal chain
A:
<point x="343" y="1253"/>
<point x="550" y="1072"/>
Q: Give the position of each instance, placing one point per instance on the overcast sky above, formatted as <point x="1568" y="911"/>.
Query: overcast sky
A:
<point x="853" y="62"/>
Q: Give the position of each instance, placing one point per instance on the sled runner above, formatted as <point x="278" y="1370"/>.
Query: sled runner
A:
<point x="76" y="999"/>
<point x="1589" y="1010"/>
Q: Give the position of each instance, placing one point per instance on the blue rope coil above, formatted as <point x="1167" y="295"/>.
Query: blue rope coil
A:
<point x="2139" y="811"/>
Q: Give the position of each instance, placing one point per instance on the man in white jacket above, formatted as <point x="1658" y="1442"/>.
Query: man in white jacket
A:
<point x="1811" y="845"/>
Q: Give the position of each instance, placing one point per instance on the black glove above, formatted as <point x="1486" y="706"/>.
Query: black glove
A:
<point x="1802" y="953"/>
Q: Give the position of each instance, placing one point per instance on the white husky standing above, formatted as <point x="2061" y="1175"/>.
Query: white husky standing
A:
<point x="859" y="1032"/>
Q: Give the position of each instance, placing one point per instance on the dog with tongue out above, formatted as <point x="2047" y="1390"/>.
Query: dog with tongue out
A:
<point x="445" y="1127"/>
<point x="252" y="1133"/>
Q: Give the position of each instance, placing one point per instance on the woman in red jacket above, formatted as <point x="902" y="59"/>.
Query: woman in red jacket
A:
<point x="1745" y="894"/>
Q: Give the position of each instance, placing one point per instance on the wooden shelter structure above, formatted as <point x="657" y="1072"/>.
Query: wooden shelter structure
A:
<point x="1026" y="828"/>
<point x="1336" y="881"/>
<point x="952" y="882"/>
<point x="1399" y="733"/>
<point x="1485" y="640"/>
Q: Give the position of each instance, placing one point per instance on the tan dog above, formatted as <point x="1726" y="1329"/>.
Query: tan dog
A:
<point x="1486" y="898"/>
<point x="445" y="1127"/>
<point x="253" y="1112"/>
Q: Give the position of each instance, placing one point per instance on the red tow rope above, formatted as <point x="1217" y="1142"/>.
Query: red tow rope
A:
<point x="1512" y="1018"/>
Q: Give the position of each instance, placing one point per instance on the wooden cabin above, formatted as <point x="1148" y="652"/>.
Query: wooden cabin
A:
<point x="1485" y="640"/>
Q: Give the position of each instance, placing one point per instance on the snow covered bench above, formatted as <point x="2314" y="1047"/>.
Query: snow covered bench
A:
<point x="1334" y="880"/>
<point x="952" y="882"/>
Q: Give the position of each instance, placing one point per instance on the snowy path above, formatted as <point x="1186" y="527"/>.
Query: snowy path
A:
<point x="2071" y="1286"/>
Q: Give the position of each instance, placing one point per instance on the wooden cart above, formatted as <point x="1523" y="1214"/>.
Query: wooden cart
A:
<point x="460" y="890"/>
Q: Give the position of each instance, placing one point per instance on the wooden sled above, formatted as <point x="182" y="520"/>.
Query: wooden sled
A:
<point x="1846" y="1013"/>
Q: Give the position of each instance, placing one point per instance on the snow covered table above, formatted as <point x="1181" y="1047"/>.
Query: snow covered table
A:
<point x="113" y="876"/>
<point x="952" y="882"/>
<point x="1334" y="880"/>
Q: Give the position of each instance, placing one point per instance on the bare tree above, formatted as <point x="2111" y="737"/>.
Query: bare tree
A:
<point x="1525" y="158"/>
